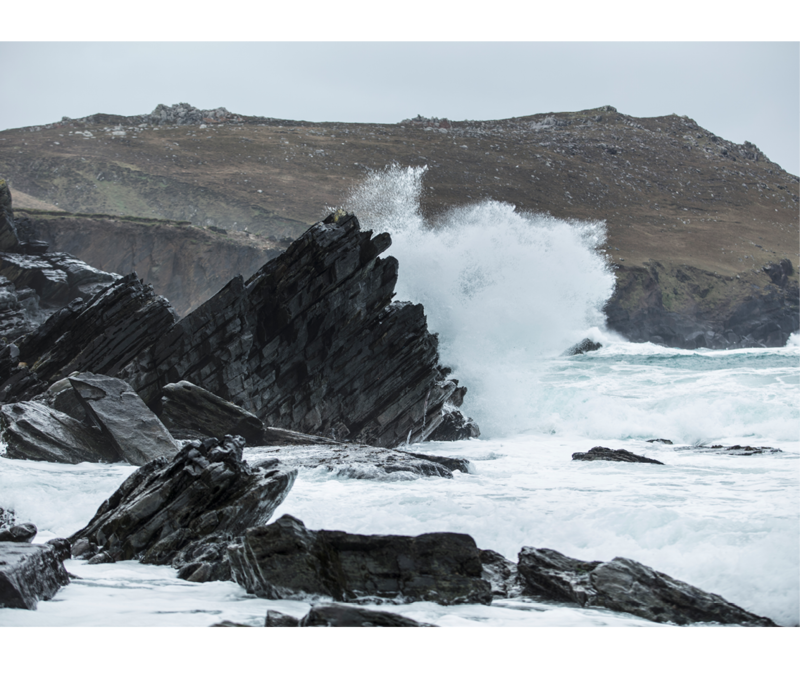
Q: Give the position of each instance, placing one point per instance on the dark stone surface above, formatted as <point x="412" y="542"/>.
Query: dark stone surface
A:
<point x="8" y="231"/>
<point x="33" y="430"/>
<point x="7" y="517"/>
<point x="626" y="586"/>
<point x="338" y="615"/>
<point x="584" y="346"/>
<point x="501" y="573"/>
<point x="455" y="426"/>
<point x="22" y="533"/>
<point x="190" y="412"/>
<point x="313" y="343"/>
<point x="609" y="455"/>
<point x="136" y="434"/>
<point x="189" y="508"/>
<point x="29" y="573"/>
<point x="734" y="450"/>
<point x="286" y="560"/>
<point x="279" y="619"/>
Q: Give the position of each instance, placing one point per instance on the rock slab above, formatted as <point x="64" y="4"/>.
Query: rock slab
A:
<point x="338" y="615"/>
<point x="287" y="560"/>
<point x="606" y="454"/>
<point x="186" y="510"/>
<point x="29" y="573"/>
<point x="626" y="586"/>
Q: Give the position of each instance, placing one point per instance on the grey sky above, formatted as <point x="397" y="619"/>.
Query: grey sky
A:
<point x="740" y="91"/>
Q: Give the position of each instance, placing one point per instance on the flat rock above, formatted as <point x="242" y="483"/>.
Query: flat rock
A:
<point x="286" y="560"/>
<point x="188" y="509"/>
<point x="626" y="586"/>
<point x="190" y="412"/>
<point x="32" y="430"/>
<point x="29" y="573"/>
<point x="606" y="454"/>
<point x="136" y="433"/>
<point x="734" y="450"/>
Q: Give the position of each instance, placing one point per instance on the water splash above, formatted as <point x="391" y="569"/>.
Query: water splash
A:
<point x="503" y="288"/>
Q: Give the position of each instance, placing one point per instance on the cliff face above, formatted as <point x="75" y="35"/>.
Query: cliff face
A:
<point x="184" y="263"/>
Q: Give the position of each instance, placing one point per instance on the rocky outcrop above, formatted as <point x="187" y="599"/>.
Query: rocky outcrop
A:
<point x="626" y="586"/>
<point x="606" y="454"/>
<point x="338" y="615"/>
<point x="312" y="343"/>
<point x="584" y="346"/>
<point x="190" y="412"/>
<point x="186" y="510"/>
<point x="286" y="560"/>
<point x="30" y="573"/>
<point x="22" y="533"/>
<point x="8" y="230"/>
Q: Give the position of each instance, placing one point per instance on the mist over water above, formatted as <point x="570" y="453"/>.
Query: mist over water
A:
<point x="504" y="289"/>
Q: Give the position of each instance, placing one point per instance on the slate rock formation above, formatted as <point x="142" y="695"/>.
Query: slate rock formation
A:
<point x="608" y="455"/>
<point x="186" y="510"/>
<point x="626" y="586"/>
<point x="30" y="573"/>
<point x="312" y="343"/>
<point x="338" y="615"/>
<point x="286" y="560"/>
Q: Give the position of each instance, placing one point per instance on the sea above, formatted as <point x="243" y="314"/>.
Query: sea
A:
<point x="508" y="292"/>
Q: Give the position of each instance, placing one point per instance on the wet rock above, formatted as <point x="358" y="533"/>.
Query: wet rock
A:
<point x="136" y="434"/>
<point x="626" y="586"/>
<point x="193" y="505"/>
<point x="32" y="430"/>
<point x="734" y="450"/>
<point x="286" y="560"/>
<point x="7" y="517"/>
<point x="338" y="615"/>
<point x="99" y="335"/>
<point x="190" y="412"/>
<point x="61" y="547"/>
<point x="29" y="573"/>
<point x="501" y="573"/>
<point x="584" y="346"/>
<point x="609" y="455"/>
<point x="662" y="441"/>
<point x="312" y="343"/>
<point x="279" y="619"/>
<point x="8" y="231"/>
<point x="83" y="549"/>
<point x="22" y="533"/>
<point x="455" y="426"/>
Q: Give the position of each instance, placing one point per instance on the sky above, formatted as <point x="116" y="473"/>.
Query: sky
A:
<point x="741" y="91"/>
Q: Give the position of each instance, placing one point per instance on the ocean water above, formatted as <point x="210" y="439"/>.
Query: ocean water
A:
<point x="508" y="292"/>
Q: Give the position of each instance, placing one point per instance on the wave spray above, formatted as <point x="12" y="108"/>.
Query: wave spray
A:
<point x="504" y="289"/>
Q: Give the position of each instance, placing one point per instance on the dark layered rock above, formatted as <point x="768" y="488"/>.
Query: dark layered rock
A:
<point x="29" y="573"/>
<point x="22" y="533"/>
<point x="286" y="560"/>
<point x="33" y="430"/>
<point x="606" y="454"/>
<point x="136" y="434"/>
<point x="584" y="346"/>
<point x="190" y="412"/>
<point x="338" y="615"/>
<point x="455" y="426"/>
<point x="364" y="461"/>
<point x="8" y="231"/>
<point x="312" y="343"/>
<point x="624" y="585"/>
<point x="189" y="508"/>
<point x="100" y="335"/>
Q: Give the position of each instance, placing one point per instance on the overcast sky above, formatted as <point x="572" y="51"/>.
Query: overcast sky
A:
<point x="739" y="90"/>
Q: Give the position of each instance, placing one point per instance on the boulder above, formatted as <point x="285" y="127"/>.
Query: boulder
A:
<point x="29" y="573"/>
<point x="137" y="435"/>
<point x="338" y="615"/>
<point x="606" y="454"/>
<point x="584" y="346"/>
<point x="22" y="533"/>
<point x="186" y="510"/>
<point x="32" y="430"/>
<point x="626" y="586"/>
<point x="455" y="426"/>
<point x="190" y="412"/>
<point x="286" y="560"/>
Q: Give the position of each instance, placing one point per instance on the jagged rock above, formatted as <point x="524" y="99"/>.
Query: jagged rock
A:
<point x="29" y="573"/>
<point x="24" y="532"/>
<point x="136" y="434"/>
<point x="100" y="335"/>
<point x="201" y="499"/>
<point x="61" y="547"/>
<point x="626" y="586"/>
<point x="338" y="615"/>
<point x="286" y="560"/>
<point x="281" y="436"/>
<point x="364" y="461"/>
<point x="62" y="397"/>
<point x="83" y="549"/>
<point x="663" y="441"/>
<point x="455" y="426"/>
<point x="279" y="619"/>
<point x="311" y="343"/>
<point x="501" y="574"/>
<point x="32" y="430"/>
<point x="584" y="346"/>
<point x="609" y="455"/>
<point x="190" y="412"/>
